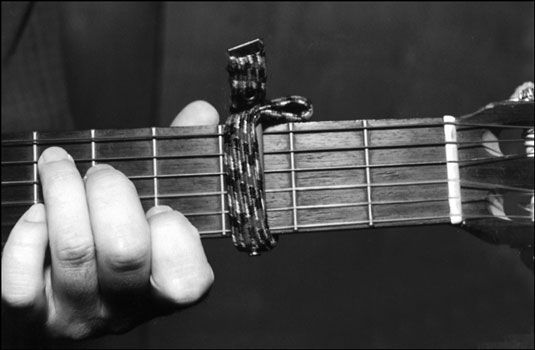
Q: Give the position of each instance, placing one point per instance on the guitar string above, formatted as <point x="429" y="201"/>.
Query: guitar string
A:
<point x="282" y="152"/>
<point x="148" y="137"/>
<point x="365" y="222"/>
<point x="409" y="145"/>
<point x="466" y="184"/>
<point x="305" y="169"/>
<point x="220" y="233"/>
<point x="320" y="150"/>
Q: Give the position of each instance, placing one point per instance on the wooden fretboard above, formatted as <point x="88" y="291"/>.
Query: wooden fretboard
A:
<point x="318" y="175"/>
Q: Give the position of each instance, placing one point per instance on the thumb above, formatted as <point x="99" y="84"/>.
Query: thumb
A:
<point x="197" y="113"/>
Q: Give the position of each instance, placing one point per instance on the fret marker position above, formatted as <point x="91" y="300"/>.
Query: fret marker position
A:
<point x="368" y="182"/>
<point x="452" y="163"/>
<point x="154" y="166"/>
<point x="93" y="150"/>
<point x="35" y="198"/>
<point x="222" y="180"/>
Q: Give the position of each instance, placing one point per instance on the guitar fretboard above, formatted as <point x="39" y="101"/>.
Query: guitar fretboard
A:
<point x="318" y="175"/>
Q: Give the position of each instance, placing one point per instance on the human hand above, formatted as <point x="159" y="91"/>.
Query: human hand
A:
<point x="112" y="266"/>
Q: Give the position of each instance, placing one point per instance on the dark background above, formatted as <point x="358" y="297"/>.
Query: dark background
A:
<point x="138" y="64"/>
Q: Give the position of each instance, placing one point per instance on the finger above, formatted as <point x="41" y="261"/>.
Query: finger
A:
<point x="120" y="229"/>
<point x="74" y="273"/>
<point x="23" y="261"/>
<point x="180" y="271"/>
<point x="197" y="113"/>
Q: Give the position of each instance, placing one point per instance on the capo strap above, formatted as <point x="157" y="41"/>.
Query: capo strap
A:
<point x="243" y="167"/>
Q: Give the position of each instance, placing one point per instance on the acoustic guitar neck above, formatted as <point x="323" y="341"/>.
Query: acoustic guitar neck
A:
<point x="318" y="175"/>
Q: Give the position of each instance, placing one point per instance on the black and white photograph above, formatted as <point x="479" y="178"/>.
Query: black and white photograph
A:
<point x="282" y="175"/>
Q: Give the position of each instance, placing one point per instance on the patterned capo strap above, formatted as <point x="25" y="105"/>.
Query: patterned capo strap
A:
<point x="243" y="169"/>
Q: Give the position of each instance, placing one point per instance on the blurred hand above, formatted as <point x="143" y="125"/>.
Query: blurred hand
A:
<point x="112" y="266"/>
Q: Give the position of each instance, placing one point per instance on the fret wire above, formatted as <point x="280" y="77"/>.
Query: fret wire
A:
<point x="222" y="179"/>
<point x="35" y="199"/>
<point x="292" y="164"/>
<point x="368" y="182"/>
<point x="93" y="148"/>
<point x="154" y="166"/>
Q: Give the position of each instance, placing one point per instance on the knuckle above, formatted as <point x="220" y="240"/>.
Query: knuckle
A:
<point x="127" y="255"/>
<point x="75" y="253"/>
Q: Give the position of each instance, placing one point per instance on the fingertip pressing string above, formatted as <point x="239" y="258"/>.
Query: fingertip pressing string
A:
<point x="243" y="172"/>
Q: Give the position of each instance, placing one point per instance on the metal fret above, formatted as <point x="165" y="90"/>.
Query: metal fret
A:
<point x="154" y="165"/>
<point x="368" y="182"/>
<point x="93" y="148"/>
<point x="35" y="199"/>
<point x="292" y="169"/>
<point x="221" y="180"/>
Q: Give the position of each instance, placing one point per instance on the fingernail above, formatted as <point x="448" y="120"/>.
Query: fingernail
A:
<point x="36" y="213"/>
<point x="54" y="154"/>
<point x="157" y="210"/>
<point x="96" y="168"/>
